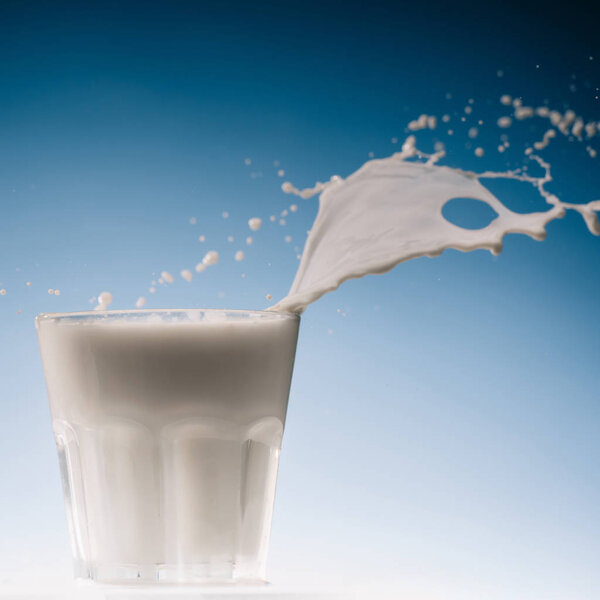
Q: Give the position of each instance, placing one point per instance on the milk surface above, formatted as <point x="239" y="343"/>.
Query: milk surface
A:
<point x="169" y="427"/>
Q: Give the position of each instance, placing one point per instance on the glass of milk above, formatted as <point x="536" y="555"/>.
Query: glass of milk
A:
<point x="168" y="425"/>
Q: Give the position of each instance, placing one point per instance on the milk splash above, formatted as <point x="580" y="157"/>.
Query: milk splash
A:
<point x="390" y="210"/>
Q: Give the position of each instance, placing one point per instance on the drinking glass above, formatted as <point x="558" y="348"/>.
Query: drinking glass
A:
<point x="168" y="425"/>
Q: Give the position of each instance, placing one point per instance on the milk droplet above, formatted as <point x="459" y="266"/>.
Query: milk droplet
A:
<point x="200" y="267"/>
<point x="542" y="111"/>
<point x="51" y="291"/>
<point x="248" y="161"/>
<point x="281" y="173"/>
<point x="2" y="292"/>
<point x="473" y="132"/>
<point x="504" y="122"/>
<point x="141" y="301"/>
<point x="479" y="152"/>
<point x="104" y="301"/>
<point x="152" y="290"/>
<point x="225" y="214"/>
<point x="57" y="292"/>
<point x="255" y="223"/>
<point x="166" y="276"/>
<point x="282" y="222"/>
<point x="468" y="110"/>
<point x="230" y="238"/>
<point x="272" y="218"/>
<point x="211" y="258"/>
<point x="418" y="124"/>
<point x="284" y="212"/>
<point x="187" y="275"/>
<point x="28" y="283"/>
<point x="288" y="238"/>
<point x="269" y="297"/>
<point x="523" y="112"/>
<point x="545" y="140"/>
<point x="239" y="255"/>
<point x="293" y="207"/>
<point x="249" y="241"/>
<point x="577" y="128"/>
<point x="590" y="129"/>
<point x="202" y="238"/>
<point x="193" y="220"/>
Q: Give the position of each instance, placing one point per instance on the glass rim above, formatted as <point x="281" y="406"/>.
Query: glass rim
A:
<point x="49" y="316"/>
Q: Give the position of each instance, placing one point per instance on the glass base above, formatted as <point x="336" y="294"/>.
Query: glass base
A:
<point x="196" y="574"/>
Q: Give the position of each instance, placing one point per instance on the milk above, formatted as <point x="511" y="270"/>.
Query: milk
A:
<point x="390" y="211"/>
<point x="169" y="423"/>
<point x="169" y="426"/>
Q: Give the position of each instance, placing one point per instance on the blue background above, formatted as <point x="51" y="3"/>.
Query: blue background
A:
<point x="442" y="437"/>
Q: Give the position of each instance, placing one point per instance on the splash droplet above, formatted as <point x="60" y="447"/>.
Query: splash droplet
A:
<point x="211" y="258"/>
<point x="255" y="223"/>
<point x="104" y="300"/>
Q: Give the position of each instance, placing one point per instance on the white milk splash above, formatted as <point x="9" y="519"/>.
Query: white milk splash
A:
<point x="390" y="210"/>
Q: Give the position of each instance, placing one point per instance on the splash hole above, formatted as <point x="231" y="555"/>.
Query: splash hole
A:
<point x="468" y="213"/>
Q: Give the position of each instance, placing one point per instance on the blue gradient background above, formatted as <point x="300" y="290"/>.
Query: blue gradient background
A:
<point x="443" y="439"/>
